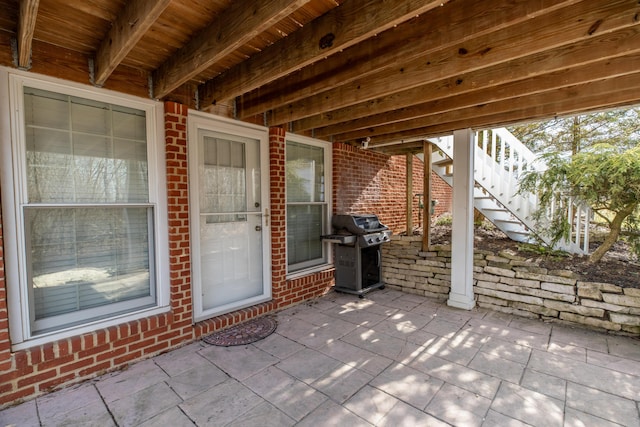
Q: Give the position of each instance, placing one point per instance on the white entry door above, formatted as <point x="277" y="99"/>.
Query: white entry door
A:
<point x="230" y="237"/>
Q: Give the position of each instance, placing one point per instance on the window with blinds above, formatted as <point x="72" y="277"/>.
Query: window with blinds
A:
<point x="88" y="222"/>
<point x="307" y="203"/>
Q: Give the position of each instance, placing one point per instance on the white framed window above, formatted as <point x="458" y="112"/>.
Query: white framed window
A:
<point x="83" y="188"/>
<point x="308" y="178"/>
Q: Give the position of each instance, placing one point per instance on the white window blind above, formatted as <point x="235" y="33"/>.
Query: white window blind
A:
<point x="88" y="221"/>
<point x="307" y="204"/>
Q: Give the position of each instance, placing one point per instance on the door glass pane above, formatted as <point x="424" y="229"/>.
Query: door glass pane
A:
<point x="224" y="181"/>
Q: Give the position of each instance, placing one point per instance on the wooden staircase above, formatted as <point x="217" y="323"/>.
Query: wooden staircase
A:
<point x="500" y="159"/>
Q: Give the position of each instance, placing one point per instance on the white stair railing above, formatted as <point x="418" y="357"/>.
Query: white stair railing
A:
<point x="500" y="161"/>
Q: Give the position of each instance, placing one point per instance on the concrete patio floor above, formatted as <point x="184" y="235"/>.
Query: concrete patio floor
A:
<point x="391" y="359"/>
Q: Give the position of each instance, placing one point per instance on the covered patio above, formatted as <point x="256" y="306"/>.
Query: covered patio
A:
<point x="393" y="359"/>
<point x="168" y="167"/>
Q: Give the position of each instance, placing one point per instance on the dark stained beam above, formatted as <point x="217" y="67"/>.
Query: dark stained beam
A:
<point x="26" y="27"/>
<point x="243" y="21"/>
<point x="566" y="26"/>
<point x="600" y="95"/>
<point x="346" y="25"/>
<point x="407" y="41"/>
<point x="134" y="21"/>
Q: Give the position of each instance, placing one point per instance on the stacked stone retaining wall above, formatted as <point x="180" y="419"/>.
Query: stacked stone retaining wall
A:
<point x="509" y="283"/>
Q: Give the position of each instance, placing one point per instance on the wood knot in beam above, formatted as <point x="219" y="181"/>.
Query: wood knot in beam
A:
<point x="327" y="40"/>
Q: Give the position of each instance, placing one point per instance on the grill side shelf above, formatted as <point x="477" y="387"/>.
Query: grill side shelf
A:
<point x="342" y="239"/>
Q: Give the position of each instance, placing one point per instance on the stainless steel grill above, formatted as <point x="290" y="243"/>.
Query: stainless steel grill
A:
<point x="358" y="257"/>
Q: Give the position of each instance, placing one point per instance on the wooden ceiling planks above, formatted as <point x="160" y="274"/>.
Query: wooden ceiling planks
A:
<point x="179" y="23"/>
<point x="75" y="25"/>
<point x="401" y="69"/>
<point x="338" y="29"/>
<point x="225" y="36"/>
<point x="133" y="22"/>
<point x="599" y="95"/>
<point x="579" y="63"/>
<point x="413" y="39"/>
<point x="523" y="39"/>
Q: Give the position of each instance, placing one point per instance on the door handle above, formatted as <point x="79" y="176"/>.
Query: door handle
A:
<point x="258" y="228"/>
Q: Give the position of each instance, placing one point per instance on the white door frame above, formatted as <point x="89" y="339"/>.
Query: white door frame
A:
<point x="203" y="121"/>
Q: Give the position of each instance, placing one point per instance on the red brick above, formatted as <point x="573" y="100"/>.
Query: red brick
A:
<point x="141" y="344"/>
<point x="111" y="354"/>
<point x="155" y="349"/>
<point x="55" y="362"/>
<point x="76" y="365"/>
<point x="47" y="385"/>
<point x="99" y="368"/>
<point x="16" y="396"/>
<point x="94" y="350"/>
<point x="128" y="357"/>
<point x="37" y="378"/>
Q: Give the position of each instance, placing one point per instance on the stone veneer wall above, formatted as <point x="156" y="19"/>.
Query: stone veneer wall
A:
<point x="508" y="283"/>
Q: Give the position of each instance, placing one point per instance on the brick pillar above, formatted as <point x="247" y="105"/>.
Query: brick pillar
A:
<point x="175" y="123"/>
<point x="278" y="218"/>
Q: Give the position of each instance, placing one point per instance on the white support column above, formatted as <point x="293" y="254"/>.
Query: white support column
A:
<point x="461" y="294"/>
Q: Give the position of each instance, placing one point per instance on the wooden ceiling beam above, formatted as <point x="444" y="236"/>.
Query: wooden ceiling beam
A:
<point x="577" y="99"/>
<point x="346" y="25"/>
<point x="415" y="38"/>
<point x="413" y="147"/>
<point x="26" y="27"/>
<point x="492" y="91"/>
<point x="129" y="27"/>
<point x="241" y="22"/>
<point x="509" y="80"/>
<point x="539" y="97"/>
<point x="566" y="26"/>
<point x="557" y="62"/>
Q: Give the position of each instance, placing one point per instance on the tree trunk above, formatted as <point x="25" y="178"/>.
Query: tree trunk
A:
<point x="576" y="140"/>
<point x="614" y="232"/>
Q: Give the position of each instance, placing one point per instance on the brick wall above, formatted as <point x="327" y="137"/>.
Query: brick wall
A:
<point x="366" y="182"/>
<point x="287" y="292"/>
<point x="27" y="373"/>
<point x="371" y="182"/>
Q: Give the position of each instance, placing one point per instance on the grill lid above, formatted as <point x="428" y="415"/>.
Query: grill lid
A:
<point x="357" y="224"/>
